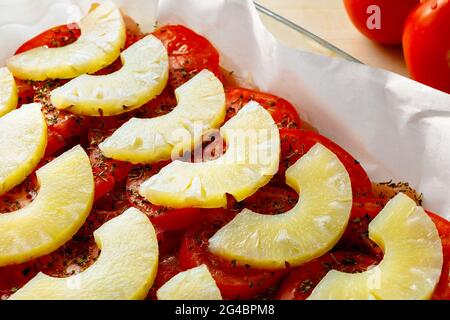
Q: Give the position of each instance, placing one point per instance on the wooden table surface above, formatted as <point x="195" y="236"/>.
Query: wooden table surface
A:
<point x="328" y="19"/>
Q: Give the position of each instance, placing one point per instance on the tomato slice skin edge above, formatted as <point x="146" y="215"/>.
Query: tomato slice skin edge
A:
<point x="234" y="281"/>
<point x="296" y="143"/>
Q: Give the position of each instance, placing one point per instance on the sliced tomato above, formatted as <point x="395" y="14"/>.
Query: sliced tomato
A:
<point x="189" y="53"/>
<point x="25" y="91"/>
<point x="234" y="281"/>
<point x="283" y="112"/>
<point x="107" y="172"/>
<point x="296" y="143"/>
<point x="442" y="291"/>
<point x="20" y="196"/>
<point x="62" y="125"/>
<point x="302" y="280"/>
<point x="270" y="200"/>
<point x="77" y="254"/>
<point x="356" y="236"/>
<point x="168" y="267"/>
<point x="185" y="48"/>
<point x="164" y="218"/>
<point x="56" y="37"/>
<point x="14" y="277"/>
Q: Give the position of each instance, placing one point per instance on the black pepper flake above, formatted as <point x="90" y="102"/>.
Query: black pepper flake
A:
<point x="305" y="286"/>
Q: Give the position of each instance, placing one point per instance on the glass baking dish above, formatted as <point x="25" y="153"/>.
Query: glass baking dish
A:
<point x="298" y="37"/>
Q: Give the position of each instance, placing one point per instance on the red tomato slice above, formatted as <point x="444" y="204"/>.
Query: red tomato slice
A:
<point x="270" y="200"/>
<point x="302" y="280"/>
<point x="107" y="172"/>
<point x="380" y="20"/>
<point x="234" y="281"/>
<point x="442" y="291"/>
<point x="283" y="113"/>
<point x="169" y="266"/>
<point x="164" y="218"/>
<point x="426" y="44"/>
<point x="56" y="37"/>
<point x="295" y="143"/>
<point x="356" y="236"/>
<point x="25" y="91"/>
<point x="189" y="53"/>
<point x="22" y="194"/>
<point x="81" y="251"/>
<point x="14" y="277"/>
<point x="62" y="125"/>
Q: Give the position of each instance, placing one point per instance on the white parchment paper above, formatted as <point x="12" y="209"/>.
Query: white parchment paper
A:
<point x="398" y="128"/>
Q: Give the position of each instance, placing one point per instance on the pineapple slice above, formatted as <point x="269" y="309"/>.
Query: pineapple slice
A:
<point x="251" y="160"/>
<point x="201" y="106"/>
<point x="61" y="207"/>
<point x="143" y="76"/>
<point x="103" y="35"/>
<point x="193" y="284"/>
<point x="125" y="269"/>
<point x="23" y="141"/>
<point x="8" y="91"/>
<point x="412" y="260"/>
<point x="307" y="231"/>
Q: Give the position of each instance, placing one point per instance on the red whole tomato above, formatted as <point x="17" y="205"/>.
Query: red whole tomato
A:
<point x="296" y="143"/>
<point x="426" y="44"/>
<point x="234" y="281"/>
<point x="302" y="280"/>
<point x="164" y="218"/>
<point x="380" y="20"/>
<point x="283" y="113"/>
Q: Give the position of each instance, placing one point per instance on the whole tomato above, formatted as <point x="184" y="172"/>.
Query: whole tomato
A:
<point x="426" y="44"/>
<point x="380" y="20"/>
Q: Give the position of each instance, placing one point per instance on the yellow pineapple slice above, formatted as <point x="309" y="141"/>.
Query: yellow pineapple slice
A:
<point x="251" y="159"/>
<point x="201" y="107"/>
<point x="64" y="200"/>
<point x="193" y="284"/>
<point x="23" y="141"/>
<point x="412" y="261"/>
<point x="307" y="231"/>
<point x="125" y="269"/>
<point x="103" y="34"/>
<point x="142" y="77"/>
<point x="8" y="91"/>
